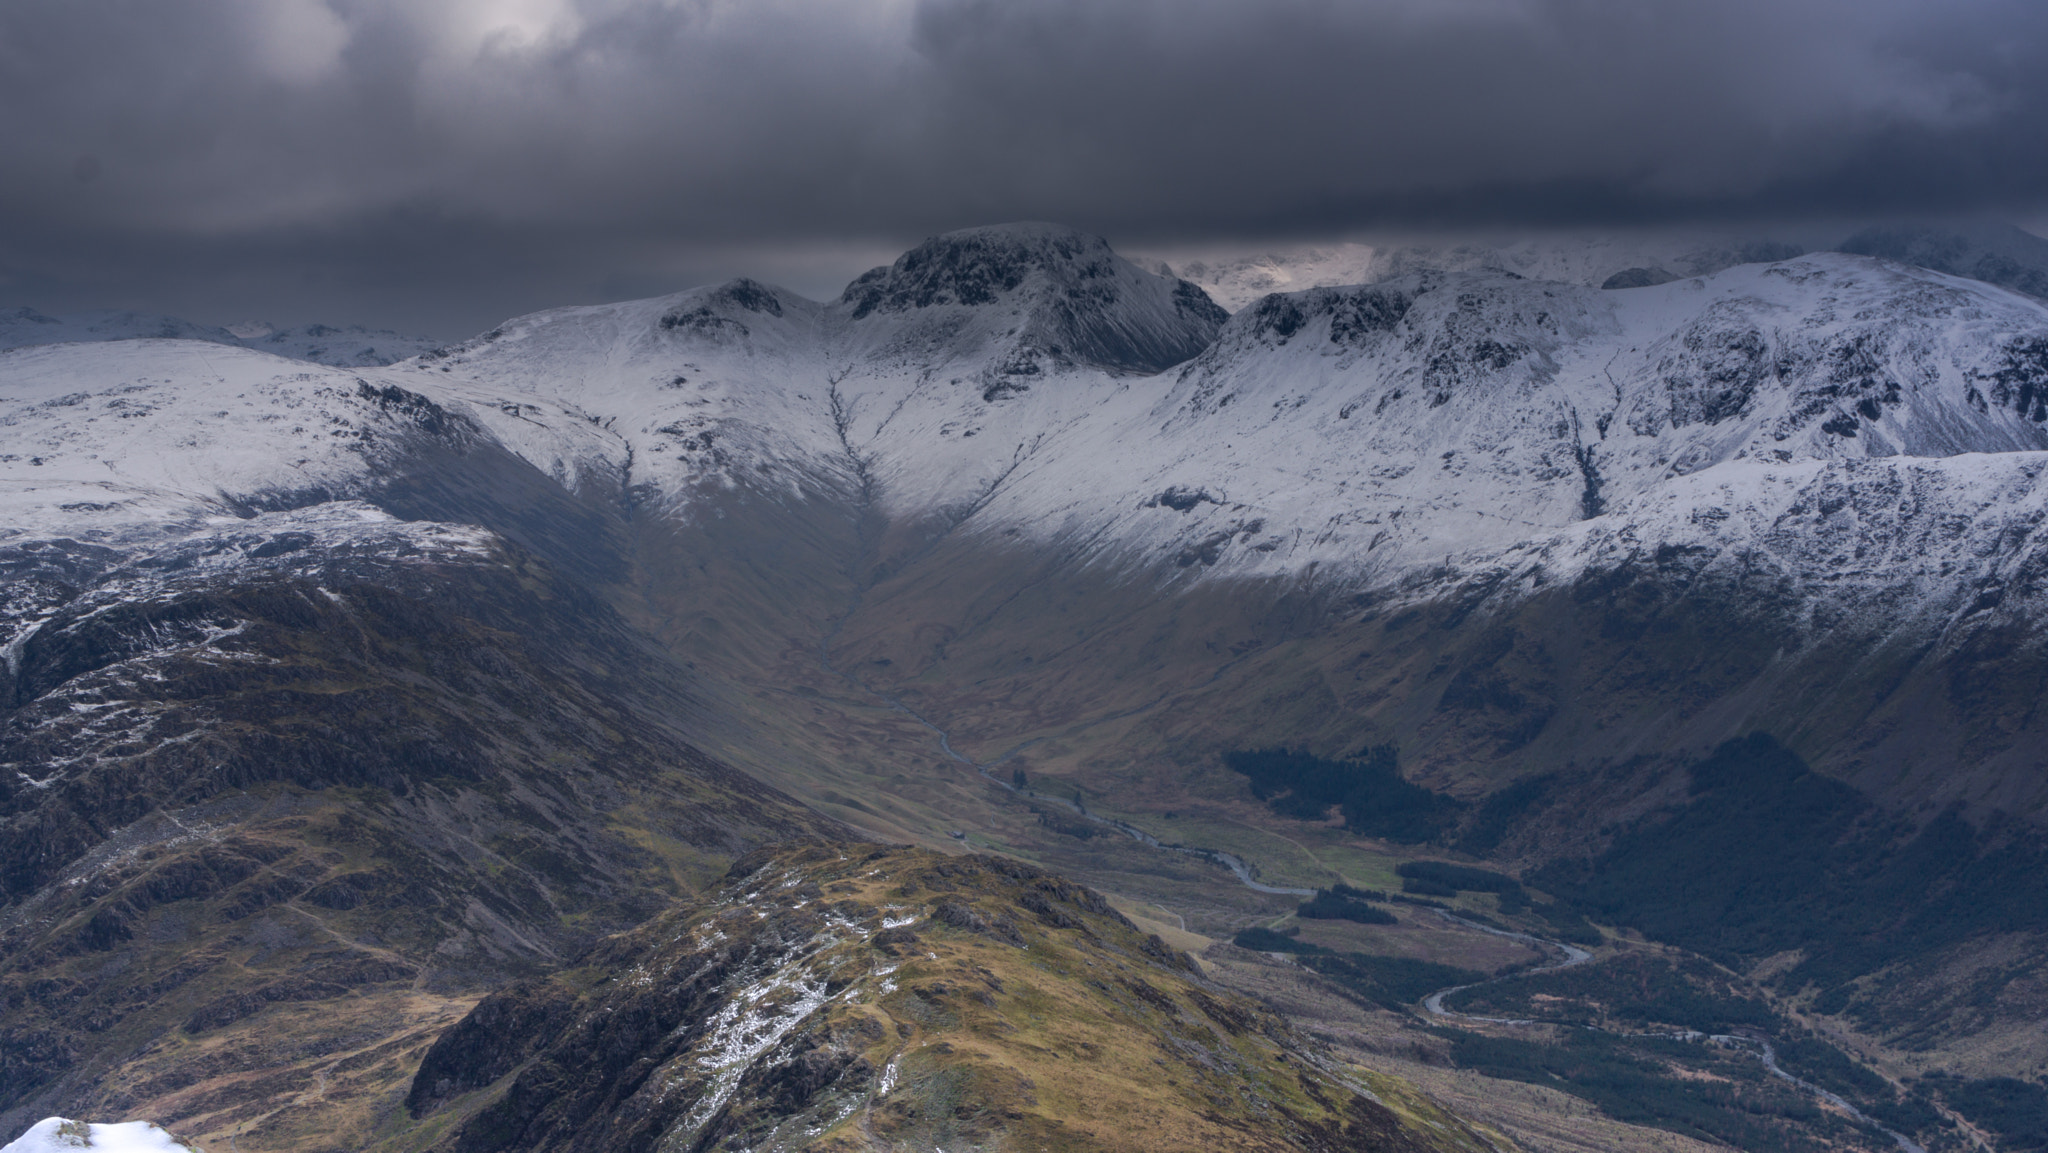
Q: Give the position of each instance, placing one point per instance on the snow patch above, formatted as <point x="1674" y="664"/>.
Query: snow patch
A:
<point x="59" y="1135"/>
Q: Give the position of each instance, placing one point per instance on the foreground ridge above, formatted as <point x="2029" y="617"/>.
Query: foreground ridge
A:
<point x="858" y="997"/>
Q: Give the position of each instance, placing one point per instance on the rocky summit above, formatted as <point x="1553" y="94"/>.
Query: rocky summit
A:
<point x="861" y="997"/>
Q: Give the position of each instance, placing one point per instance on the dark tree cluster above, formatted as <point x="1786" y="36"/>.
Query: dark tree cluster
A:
<point x="1367" y="789"/>
<point x="1344" y="903"/>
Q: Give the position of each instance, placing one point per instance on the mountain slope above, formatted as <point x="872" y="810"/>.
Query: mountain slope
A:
<point x="1447" y="438"/>
<point x="1520" y="531"/>
<point x="1465" y="440"/>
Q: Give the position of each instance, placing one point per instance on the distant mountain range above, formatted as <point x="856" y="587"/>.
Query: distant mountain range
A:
<point x="338" y="695"/>
<point x="1994" y="253"/>
<point x="350" y="347"/>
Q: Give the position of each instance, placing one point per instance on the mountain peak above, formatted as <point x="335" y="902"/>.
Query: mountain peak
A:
<point x="976" y="266"/>
<point x="1084" y="303"/>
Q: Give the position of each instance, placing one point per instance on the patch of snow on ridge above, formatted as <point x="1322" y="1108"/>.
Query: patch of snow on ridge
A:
<point x="745" y="1029"/>
<point x="104" y="442"/>
<point x="60" y="1135"/>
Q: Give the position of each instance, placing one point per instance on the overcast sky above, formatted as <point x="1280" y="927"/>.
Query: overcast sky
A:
<point x="436" y="165"/>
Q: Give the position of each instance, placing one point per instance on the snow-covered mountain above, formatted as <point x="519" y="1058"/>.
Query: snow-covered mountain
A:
<point x="350" y="347"/>
<point x="1009" y="381"/>
<point x="1992" y="252"/>
<point x="1366" y="433"/>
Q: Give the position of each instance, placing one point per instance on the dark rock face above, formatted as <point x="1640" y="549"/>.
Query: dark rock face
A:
<point x="721" y="315"/>
<point x="1191" y="302"/>
<point x="2020" y="381"/>
<point x="751" y="295"/>
<point x="975" y="268"/>
<point x="1357" y="316"/>
<point x="1083" y="304"/>
<point x="703" y="321"/>
<point x="430" y="417"/>
<point x="1716" y="370"/>
<point x="496" y="1037"/>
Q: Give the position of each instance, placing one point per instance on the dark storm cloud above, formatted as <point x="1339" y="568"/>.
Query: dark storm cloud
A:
<point x="528" y="151"/>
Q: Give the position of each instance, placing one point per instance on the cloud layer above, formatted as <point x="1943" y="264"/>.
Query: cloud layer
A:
<point x="517" y="144"/>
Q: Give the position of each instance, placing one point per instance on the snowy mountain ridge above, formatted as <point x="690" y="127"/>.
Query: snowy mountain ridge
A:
<point x="125" y="442"/>
<point x="994" y="380"/>
<point x="1593" y="261"/>
<point x="1990" y="251"/>
<point x="1369" y="431"/>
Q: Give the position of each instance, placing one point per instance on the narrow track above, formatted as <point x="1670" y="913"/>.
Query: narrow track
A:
<point x="1757" y="1045"/>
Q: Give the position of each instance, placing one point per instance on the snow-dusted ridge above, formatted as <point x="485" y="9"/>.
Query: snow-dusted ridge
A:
<point x="1592" y="261"/>
<point x="118" y="441"/>
<point x="995" y="381"/>
<point x="1380" y="430"/>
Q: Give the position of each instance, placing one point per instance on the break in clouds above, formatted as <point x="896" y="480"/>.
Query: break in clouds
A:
<point x="402" y="147"/>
